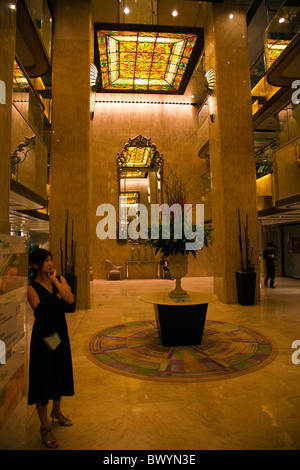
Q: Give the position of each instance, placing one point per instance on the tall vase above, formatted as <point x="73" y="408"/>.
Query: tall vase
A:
<point x="178" y="265"/>
<point x="245" y="281"/>
<point x="72" y="281"/>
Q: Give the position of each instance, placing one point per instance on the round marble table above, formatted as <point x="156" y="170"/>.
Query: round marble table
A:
<point x="180" y="322"/>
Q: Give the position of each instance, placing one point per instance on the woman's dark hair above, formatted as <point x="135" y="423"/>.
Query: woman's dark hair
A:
<point x="38" y="257"/>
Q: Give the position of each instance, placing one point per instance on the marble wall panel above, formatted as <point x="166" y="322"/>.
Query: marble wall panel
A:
<point x="70" y="142"/>
<point x="286" y="171"/>
<point x="173" y="129"/>
<point x="233" y="179"/>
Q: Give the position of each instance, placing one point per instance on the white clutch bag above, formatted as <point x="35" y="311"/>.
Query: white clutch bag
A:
<point x="52" y="341"/>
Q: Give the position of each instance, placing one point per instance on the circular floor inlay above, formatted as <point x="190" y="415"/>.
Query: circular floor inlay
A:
<point x="227" y="350"/>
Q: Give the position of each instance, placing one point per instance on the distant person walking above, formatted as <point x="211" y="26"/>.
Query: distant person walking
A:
<point x="269" y="256"/>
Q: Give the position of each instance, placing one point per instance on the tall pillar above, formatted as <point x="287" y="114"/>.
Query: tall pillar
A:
<point x="232" y="163"/>
<point x="70" y="137"/>
<point x="7" y="55"/>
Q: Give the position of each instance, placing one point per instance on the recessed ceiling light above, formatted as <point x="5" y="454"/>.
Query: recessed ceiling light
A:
<point x="192" y="96"/>
<point x="126" y="10"/>
<point x="281" y="20"/>
<point x="231" y="16"/>
<point x="174" y="13"/>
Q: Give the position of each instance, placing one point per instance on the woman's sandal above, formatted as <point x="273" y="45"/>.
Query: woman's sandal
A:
<point x="49" y="443"/>
<point x="61" y="418"/>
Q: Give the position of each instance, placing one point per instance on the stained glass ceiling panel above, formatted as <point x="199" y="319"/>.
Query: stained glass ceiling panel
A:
<point x="138" y="157"/>
<point x="142" y="61"/>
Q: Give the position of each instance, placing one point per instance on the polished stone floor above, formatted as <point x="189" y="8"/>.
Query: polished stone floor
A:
<point x="260" y="410"/>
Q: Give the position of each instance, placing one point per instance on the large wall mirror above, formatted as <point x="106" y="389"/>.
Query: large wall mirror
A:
<point x="140" y="180"/>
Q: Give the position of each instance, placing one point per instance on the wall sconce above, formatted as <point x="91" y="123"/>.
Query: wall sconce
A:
<point x="94" y="80"/>
<point x="210" y="86"/>
<point x="211" y="107"/>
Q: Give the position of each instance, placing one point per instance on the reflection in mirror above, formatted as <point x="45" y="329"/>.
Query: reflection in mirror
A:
<point x="140" y="178"/>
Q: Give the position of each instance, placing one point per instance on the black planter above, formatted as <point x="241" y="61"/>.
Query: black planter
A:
<point x="180" y="325"/>
<point x="245" y="282"/>
<point x="72" y="281"/>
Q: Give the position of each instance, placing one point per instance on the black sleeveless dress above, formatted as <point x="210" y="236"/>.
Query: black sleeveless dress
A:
<point x="50" y="372"/>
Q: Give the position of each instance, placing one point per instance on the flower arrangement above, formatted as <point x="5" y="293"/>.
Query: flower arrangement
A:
<point x="175" y="192"/>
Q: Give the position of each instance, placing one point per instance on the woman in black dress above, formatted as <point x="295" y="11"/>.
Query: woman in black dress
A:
<point x="50" y="366"/>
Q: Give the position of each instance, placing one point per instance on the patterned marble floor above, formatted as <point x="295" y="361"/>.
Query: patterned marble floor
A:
<point x="134" y="349"/>
<point x="260" y="410"/>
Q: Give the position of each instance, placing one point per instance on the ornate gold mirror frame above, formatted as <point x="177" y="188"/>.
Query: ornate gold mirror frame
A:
<point x="139" y="168"/>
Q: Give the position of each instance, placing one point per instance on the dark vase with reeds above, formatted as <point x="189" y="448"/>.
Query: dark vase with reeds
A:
<point x="246" y="278"/>
<point x="68" y="256"/>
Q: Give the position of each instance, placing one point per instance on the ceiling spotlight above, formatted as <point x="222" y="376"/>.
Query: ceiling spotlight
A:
<point x="192" y="96"/>
<point x="281" y="20"/>
<point x="231" y="16"/>
<point x="126" y="10"/>
<point x="174" y="13"/>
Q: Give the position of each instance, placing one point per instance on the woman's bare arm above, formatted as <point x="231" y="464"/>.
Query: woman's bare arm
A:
<point x="64" y="290"/>
<point x="32" y="297"/>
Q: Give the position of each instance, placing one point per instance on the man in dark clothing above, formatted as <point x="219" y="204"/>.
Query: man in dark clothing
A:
<point x="269" y="256"/>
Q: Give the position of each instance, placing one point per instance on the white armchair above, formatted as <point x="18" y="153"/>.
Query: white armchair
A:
<point x="113" y="271"/>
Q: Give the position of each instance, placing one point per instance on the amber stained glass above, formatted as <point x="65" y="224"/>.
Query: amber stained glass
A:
<point x="138" y="157"/>
<point x="19" y="79"/>
<point x="154" y="61"/>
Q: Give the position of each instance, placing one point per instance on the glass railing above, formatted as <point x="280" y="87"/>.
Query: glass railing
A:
<point x="281" y="30"/>
<point x="261" y="91"/>
<point x="29" y="154"/>
<point x="264" y="159"/>
<point x="205" y="183"/>
<point x="258" y="70"/>
<point x="28" y="151"/>
<point x="26" y="100"/>
<point x="41" y="15"/>
<point x="288" y="123"/>
<point x="203" y="113"/>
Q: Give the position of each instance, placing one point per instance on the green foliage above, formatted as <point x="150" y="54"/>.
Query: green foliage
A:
<point x="175" y="192"/>
<point x="171" y="246"/>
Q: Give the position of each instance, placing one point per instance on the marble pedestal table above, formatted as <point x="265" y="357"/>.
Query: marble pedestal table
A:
<point x="180" y="322"/>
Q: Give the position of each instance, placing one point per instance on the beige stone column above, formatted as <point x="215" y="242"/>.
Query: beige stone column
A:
<point x="70" y="138"/>
<point x="232" y="163"/>
<point x="7" y="55"/>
